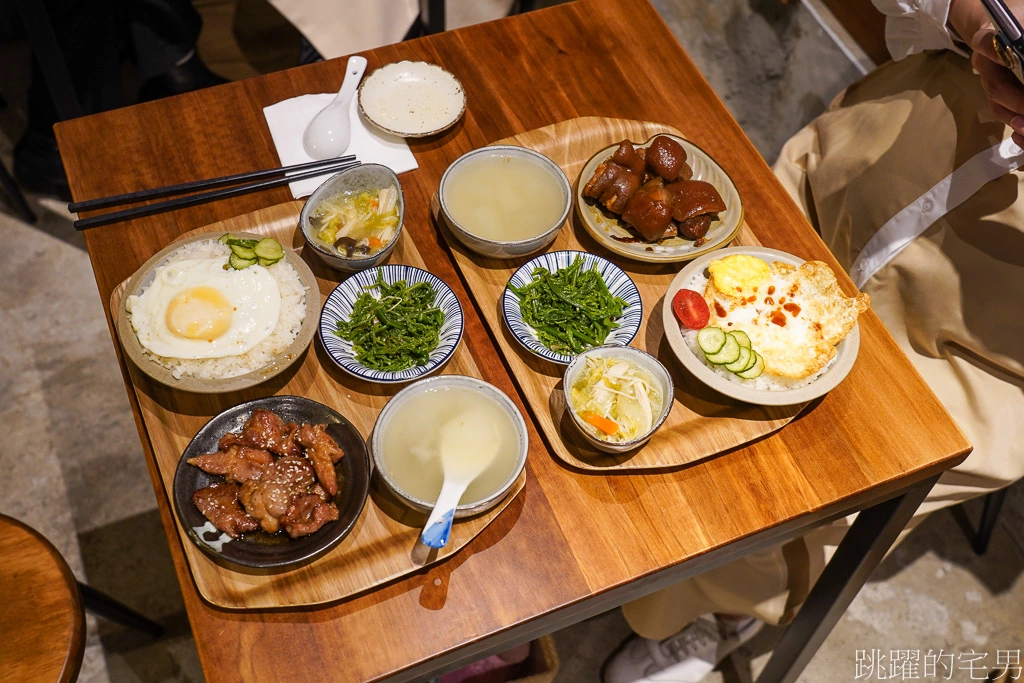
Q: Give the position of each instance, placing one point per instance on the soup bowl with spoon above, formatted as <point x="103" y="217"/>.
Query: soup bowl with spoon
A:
<point x="438" y="433"/>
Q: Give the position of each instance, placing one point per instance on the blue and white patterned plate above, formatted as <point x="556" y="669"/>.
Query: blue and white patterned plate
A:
<point x="619" y="284"/>
<point x="339" y="307"/>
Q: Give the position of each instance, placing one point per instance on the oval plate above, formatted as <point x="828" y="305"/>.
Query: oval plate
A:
<point x="602" y="226"/>
<point x="846" y="350"/>
<point x="339" y="307"/>
<point x="412" y="99"/>
<point x="618" y="282"/>
<point x="259" y="549"/>
<point x="133" y="349"/>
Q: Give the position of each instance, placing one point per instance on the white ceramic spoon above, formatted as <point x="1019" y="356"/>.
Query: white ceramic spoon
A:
<point x="468" y="444"/>
<point x="328" y="134"/>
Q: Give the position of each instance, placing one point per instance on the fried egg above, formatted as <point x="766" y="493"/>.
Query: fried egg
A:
<point x="793" y="315"/>
<point x="197" y="309"/>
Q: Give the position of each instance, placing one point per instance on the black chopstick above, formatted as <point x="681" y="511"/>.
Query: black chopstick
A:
<point x="192" y="200"/>
<point x="153" y="193"/>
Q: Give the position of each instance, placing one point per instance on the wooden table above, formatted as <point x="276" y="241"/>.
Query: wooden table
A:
<point x="573" y="544"/>
<point x="41" y="615"/>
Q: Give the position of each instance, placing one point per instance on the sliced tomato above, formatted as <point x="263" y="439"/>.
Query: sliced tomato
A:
<point x="691" y="309"/>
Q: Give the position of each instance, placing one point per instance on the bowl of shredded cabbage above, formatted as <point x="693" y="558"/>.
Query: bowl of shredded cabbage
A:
<point x="354" y="219"/>
<point x="618" y="396"/>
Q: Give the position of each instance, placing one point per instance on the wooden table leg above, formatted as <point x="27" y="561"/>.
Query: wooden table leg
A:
<point x="860" y="551"/>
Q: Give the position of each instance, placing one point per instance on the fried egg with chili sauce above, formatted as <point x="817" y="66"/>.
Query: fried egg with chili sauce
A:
<point x="793" y="315"/>
<point x="197" y="309"/>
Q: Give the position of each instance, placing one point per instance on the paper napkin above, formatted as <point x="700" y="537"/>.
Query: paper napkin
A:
<point x="288" y="120"/>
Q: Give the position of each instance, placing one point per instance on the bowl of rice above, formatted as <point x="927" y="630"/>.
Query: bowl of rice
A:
<point x="283" y="322"/>
<point x="766" y="388"/>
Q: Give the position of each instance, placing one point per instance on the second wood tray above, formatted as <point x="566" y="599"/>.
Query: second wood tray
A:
<point x="702" y="422"/>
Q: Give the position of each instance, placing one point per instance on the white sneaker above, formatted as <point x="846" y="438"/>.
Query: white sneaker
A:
<point x="686" y="657"/>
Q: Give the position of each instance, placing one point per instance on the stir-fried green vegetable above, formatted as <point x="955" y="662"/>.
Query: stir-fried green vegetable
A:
<point x="396" y="331"/>
<point x="571" y="309"/>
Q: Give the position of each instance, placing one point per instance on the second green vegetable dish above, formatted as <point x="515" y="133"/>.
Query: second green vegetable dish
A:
<point x="570" y="309"/>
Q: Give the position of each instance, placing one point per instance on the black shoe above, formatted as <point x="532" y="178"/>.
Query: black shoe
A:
<point x="192" y="75"/>
<point x="38" y="167"/>
<point x="307" y="53"/>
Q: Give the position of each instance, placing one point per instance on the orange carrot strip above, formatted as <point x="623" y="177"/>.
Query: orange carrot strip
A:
<point x="603" y="424"/>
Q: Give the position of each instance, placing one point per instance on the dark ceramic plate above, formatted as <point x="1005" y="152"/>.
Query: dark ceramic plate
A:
<point x="259" y="549"/>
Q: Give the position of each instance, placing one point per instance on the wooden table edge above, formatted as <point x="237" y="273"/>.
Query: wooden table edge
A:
<point x="574" y="611"/>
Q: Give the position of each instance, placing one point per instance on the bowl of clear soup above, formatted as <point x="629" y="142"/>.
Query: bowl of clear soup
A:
<point x="504" y="201"/>
<point x="406" y="441"/>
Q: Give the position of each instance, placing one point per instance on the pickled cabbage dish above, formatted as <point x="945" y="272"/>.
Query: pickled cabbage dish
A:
<point x="357" y="224"/>
<point x="617" y="401"/>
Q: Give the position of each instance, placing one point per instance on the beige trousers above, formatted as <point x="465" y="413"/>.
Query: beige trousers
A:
<point x="343" y="27"/>
<point x="953" y="299"/>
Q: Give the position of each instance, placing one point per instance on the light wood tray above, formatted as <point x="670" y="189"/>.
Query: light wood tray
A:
<point x="702" y="422"/>
<point x="383" y="545"/>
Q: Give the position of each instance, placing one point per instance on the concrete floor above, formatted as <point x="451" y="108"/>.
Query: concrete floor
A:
<point x="74" y="470"/>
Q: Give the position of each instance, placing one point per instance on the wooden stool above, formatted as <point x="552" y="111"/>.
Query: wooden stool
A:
<point x="41" y="609"/>
<point x="41" y="615"/>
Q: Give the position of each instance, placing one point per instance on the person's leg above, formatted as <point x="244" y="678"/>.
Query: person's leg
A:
<point x="685" y="630"/>
<point x="328" y="25"/>
<point x="892" y="137"/>
<point x="86" y="32"/>
<point x="163" y="36"/>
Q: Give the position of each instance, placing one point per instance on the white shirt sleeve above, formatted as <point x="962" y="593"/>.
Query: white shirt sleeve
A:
<point x="913" y="26"/>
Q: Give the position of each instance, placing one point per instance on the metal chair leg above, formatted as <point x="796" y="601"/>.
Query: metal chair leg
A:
<point x="989" y="517"/>
<point x="12" y="190"/>
<point x="103" y="605"/>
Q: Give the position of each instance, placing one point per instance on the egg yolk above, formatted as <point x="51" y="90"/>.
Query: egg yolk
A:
<point x="199" y="313"/>
<point x="739" y="275"/>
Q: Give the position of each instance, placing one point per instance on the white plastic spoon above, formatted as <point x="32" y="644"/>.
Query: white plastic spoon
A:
<point x="328" y="134"/>
<point x="468" y="444"/>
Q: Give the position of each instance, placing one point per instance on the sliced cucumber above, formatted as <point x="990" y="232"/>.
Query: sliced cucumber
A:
<point x="750" y="362"/>
<point x="269" y="249"/>
<point x="741" y="338"/>
<point x="243" y="252"/>
<point x="268" y="262"/>
<point x="755" y="370"/>
<point x="729" y="353"/>
<point x="711" y="340"/>
<point x="239" y="263"/>
<point x="227" y="239"/>
<point x="741" y="363"/>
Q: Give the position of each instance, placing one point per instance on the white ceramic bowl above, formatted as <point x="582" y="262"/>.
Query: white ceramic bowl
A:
<point x="461" y="381"/>
<point x="634" y="355"/>
<point x="846" y="350"/>
<point x="412" y="99"/>
<point x="498" y="248"/>
<point x="358" y="179"/>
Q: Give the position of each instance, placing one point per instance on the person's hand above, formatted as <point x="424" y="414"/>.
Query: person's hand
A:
<point x="1005" y="93"/>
